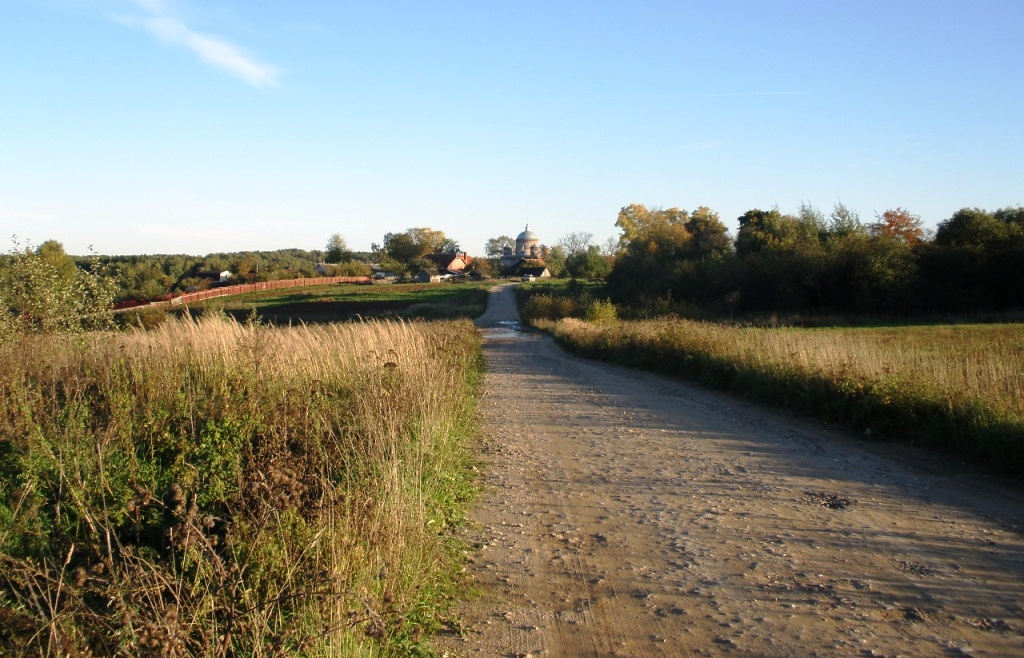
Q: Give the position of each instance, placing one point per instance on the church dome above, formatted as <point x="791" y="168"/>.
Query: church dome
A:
<point x="527" y="236"/>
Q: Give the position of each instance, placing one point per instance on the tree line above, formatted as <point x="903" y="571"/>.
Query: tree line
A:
<point x="674" y="260"/>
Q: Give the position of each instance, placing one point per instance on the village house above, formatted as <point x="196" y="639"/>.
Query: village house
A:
<point x="446" y="266"/>
<point x="454" y="263"/>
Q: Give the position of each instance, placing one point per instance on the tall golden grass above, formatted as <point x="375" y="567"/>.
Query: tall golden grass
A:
<point x="219" y="488"/>
<point x="958" y="386"/>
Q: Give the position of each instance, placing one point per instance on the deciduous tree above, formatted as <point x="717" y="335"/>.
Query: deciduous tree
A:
<point x="588" y="264"/>
<point x="494" y="246"/>
<point x="708" y="235"/>
<point x="574" y="243"/>
<point x="408" y="249"/>
<point x="900" y="224"/>
<point x="336" y="250"/>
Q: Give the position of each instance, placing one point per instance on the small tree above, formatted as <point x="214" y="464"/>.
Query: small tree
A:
<point x="843" y="222"/>
<point x="44" y="294"/>
<point x="336" y="249"/>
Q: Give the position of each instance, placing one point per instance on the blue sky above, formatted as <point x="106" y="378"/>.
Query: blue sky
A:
<point x="189" y="126"/>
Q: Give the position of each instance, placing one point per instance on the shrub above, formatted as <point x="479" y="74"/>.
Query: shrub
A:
<point x="551" y="307"/>
<point x="48" y="293"/>
<point x="601" y="311"/>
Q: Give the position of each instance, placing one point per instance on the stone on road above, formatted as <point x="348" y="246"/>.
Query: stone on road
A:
<point x="624" y="513"/>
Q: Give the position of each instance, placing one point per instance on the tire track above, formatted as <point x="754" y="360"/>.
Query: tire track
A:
<point x="628" y="514"/>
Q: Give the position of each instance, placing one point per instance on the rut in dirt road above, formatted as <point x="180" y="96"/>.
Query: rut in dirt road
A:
<point x="628" y="514"/>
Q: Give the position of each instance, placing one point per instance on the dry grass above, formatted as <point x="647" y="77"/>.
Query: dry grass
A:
<point x="918" y="382"/>
<point x="215" y="488"/>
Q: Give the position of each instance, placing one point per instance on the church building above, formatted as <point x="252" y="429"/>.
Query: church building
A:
<point x="528" y="247"/>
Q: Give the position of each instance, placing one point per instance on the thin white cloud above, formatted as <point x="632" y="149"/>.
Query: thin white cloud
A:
<point x="213" y="50"/>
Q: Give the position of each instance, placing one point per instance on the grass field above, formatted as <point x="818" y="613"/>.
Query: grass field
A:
<point x="955" y="387"/>
<point x="216" y="488"/>
<point x="348" y="301"/>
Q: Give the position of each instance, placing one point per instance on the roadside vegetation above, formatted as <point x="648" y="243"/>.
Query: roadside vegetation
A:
<point x="216" y="487"/>
<point x="953" y="387"/>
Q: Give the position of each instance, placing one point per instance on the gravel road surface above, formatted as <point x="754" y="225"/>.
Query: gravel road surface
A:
<point x="627" y="514"/>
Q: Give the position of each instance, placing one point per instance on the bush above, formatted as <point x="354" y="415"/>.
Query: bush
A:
<point x="601" y="311"/>
<point x="48" y="293"/>
<point x="550" y="307"/>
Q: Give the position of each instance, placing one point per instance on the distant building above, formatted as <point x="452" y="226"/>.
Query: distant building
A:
<point x="537" y="272"/>
<point x="215" y="277"/>
<point x="528" y="247"/>
<point x="430" y="276"/>
<point x="452" y="263"/>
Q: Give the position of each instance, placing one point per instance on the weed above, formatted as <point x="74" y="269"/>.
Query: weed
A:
<point x="956" y="388"/>
<point x="223" y="488"/>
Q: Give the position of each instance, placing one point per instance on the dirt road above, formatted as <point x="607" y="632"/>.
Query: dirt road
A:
<point x="628" y="514"/>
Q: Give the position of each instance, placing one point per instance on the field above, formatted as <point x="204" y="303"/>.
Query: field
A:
<point x="348" y="301"/>
<point x="954" y="387"/>
<point x="219" y="488"/>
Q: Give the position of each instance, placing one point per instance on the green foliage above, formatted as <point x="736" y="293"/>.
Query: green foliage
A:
<point x="149" y="276"/>
<point x="48" y="293"/>
<point x="550" y="307"/>
<point x="342" y="302"/>
<point x="843" y="222"/>
<point x="494" y="246"/>
<point x="976" y="228"/>
<point x="214" y="488"/>
<point x="555" y="259"/>
<point x="601" y="311"/>
<point x="336" y="250"/>
<point x="406" y="251"/>
<point x="554" y="299"/>
<point x="589" y="263"/>
<point x="675" y="262"/>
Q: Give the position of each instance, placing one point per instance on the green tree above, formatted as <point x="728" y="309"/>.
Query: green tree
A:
<point x="494" y="246"/>
<point x="973" y="227"/>
<point x="588" y="264"/>
<point x="555" y="259"/>
<point x="405" y="251"/>
<point x="813" y="226"/>
<point x="431" y="241"/>
<point x="843" y="222"/>
<point x="336" y="250"/>
<point x="644" y="230"/>
<point x="46" y="294"/>
<point x="708" y="235"/>
<point x="765" y="229"/>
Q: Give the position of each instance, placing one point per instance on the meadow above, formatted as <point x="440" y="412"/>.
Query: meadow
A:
<point x="958" y="388"/>
<point x="349" y="301"/>
<point x="213" y="487"/>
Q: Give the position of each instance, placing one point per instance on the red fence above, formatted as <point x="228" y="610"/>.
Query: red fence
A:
<point x="266" y="285"/>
